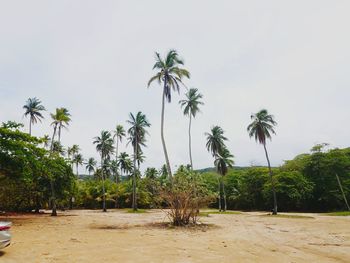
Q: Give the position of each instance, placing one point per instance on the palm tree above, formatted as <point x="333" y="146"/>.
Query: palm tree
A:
<point x="33" y="108"/>
<point x="46" y="141"/>
<point x="215" y="140"/>
<point x="125" y="163"/>
<point x="216" y="146"/>
<point x="91" y="165"/>
<point x="119" y="133"/>
<point x="60" y="119"/>
<point x="222" y="161"/>
<point x="170" y="75"/>
<point x="71" y="151"/>
<point x="78" y="160"/>
<point x="191" y="107"/>
<point x="104" y="145"/>
<point x="137" y="133"/>
<point x="261" y="128"/>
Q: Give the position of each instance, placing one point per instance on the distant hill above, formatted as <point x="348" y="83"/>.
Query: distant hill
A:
<point x="213" y="169"/>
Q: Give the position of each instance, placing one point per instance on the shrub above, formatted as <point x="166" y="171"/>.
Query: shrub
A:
<point x="184" y="196"/>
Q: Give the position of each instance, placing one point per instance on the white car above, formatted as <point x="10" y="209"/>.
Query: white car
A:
<point x="5" y="236"/>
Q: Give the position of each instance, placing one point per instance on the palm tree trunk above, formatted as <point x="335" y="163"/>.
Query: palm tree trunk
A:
<point x="30" y="127"/>
<point x="103" y="188"/>
<point x="189" y="141"/>
<point x="341" y="188"/>
<point x="272" y="183"/>
<point x="59" y="133"/>
<point x="224" y="193"/>
<point x="116" y="161"/>
<point x="162" y="136"/>
<point x="134" y="200"/>
<point x="219" y="184"/>
<point x="53" y="198"/>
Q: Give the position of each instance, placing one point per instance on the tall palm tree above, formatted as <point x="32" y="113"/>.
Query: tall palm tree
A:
<point x="170" y="75"/>
<point x="261" y="128"/>
<point x="191" y="107"/>
<point x="137" y="133"/>
<point x="91" y="165"/>
<point x="33" y="108"/>
<point x="223" y="160"/>
<point x="78" y="160"/>
<point x="104" y="145"/>
<point x="119" y="133"/>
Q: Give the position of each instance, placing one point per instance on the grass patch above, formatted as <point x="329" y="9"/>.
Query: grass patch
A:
<point x="138" y="211"/>
<point x="343" y="213"/>
<point x="289" y="216"/>
<point x="207" y="213"/>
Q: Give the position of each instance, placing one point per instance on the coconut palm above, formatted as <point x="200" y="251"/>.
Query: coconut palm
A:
<point x="170" y="75"/>
<point x="119" y="133"/>
<point x="190" y="108"/>
<point x="215" y="140"/>
<point x="261" y="128"/>
<point x="125" y="163"/>
<point x="60" y="119"/>
<point x="216" y="146"/>
<point x="78" y="160"/>
<point x="222" y="162"/>
<point x="71" y="151"/>
<point x="33" y="109"/>
<point x="137" y="133"/>
<point x="58" y="148"/>
<point x="104" y="145"/>
<point x="91" y="165"/>
<point x="46" y="141"/>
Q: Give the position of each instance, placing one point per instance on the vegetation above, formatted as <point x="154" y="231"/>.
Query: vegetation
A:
<point x="37" y="172"/>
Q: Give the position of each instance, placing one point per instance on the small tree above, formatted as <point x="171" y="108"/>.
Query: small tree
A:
<point x="185" y="196"/>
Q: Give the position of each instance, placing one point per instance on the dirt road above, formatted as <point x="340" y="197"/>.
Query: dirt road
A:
<point x="118" y="236"/>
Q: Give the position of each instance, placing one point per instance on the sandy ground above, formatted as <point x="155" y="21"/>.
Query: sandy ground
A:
<point x="118" y="236"/>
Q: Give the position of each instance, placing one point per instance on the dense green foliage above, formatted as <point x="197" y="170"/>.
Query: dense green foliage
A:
<point x="26" y="170"/>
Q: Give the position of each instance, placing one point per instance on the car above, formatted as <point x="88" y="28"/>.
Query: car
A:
<point x="5" y="236"/>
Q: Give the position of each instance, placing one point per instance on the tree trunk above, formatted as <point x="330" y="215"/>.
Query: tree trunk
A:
<point x="272" y="183"/>
<point x="189" y="141"/>
<point x="53" y="198"/>
<point x="116" y="162"/>
<point x="219" y="184"/>
<point x="59" y="134"/>
<point x="162" y="136"/>
<point x="134" y="200"/>
<point x="116" y="172"/>
<point x="341" y="189"/>
<point x="103" y="188"/>
<point x="30" y="127"/>
<point x="224" y="194"/>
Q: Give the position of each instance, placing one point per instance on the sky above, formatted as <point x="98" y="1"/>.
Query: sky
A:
<point x="95" y="58"/>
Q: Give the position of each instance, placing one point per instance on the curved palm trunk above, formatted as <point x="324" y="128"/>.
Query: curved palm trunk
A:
<point x="103" y="188"/>
<point x="272" y="182"/>
<point x="134" y="199"/>
<point x="162" y="136"/>
<point x="53" y="198"/>
<point x="189" y="141"/>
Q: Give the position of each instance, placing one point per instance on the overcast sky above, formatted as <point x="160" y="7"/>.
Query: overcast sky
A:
<point x="95" y="58"/>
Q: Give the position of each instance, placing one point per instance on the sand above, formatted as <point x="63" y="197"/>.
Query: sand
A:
<point x="117" y="236"/>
